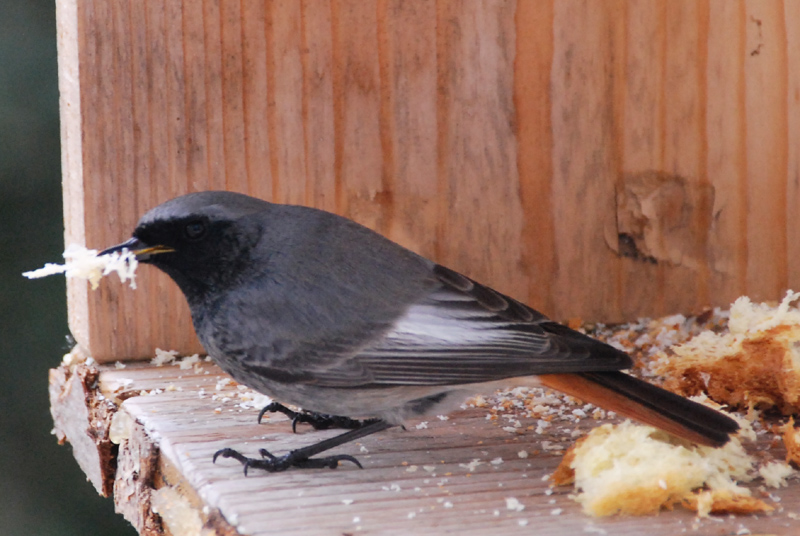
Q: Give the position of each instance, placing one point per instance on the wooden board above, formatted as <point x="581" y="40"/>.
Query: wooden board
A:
<point x="414" y="481"/>
<point x="602" y="160"/>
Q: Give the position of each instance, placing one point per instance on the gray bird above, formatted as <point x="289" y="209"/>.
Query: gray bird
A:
<point x="320" y="312"/>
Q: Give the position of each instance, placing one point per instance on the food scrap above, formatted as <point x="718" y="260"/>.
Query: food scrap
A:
<point x="755" y="364"/>
<point x="82" y="263"/>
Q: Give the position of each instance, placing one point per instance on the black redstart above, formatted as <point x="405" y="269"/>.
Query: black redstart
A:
<point x="318" y="311"/>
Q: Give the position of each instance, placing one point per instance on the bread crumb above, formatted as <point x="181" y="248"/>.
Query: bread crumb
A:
<point x="471" y="466"/>
<point x="638" y="470"/>
<point x="164" y="357"/>
<point x="513" y="504"/>
<point x="791" y="439"/>
<point x="83" y="263"/>
<point x="755" y="364"/>
<point x="775" y="474"/>
<point x="190" y="361"/>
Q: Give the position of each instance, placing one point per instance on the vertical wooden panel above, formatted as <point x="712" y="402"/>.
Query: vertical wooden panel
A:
<point x="791" y="16"/>
<point x="318" y="106"/>
<point x="232" y="75"/>
<point x="196" y="101"/>
<point x="726" y="165"/>
<point x="767" y="151"/>
<point x="142" y="168"/>
<point x="73" y="55"/>
<point x="501" y="138"/>
<point x="287" y="100"/>
<point x="683" y="144"/>
<point x="484" y="218"/>
<point x="583" y="123"/>
<point x="359" y="159"/>
<point x="532" y="99"/>
<point x="408" y="109"/>
<point x="643" y="117"/>
<point x="256" y="97"/>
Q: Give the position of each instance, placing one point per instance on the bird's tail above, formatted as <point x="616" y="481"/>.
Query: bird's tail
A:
<point x="646" y="403"/>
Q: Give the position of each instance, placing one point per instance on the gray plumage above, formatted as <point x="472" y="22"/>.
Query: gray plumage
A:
<point x="318" y="311"/>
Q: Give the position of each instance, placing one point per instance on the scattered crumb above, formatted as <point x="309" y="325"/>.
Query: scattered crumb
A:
<point x="513" y="504"/>
<point x="221" y="383"/>
<point x="775" y="474"/>
<point x="164" y="357"/>
<point x="791" y="439"/>
<point x="190" y="361"/>
<point x="471" y="466"/>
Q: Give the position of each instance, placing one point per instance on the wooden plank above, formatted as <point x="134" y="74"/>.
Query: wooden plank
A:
<point x="726" y="128"/>
<point x="170" y="421"/>
<point x="534" y="58"/>
<point x="480" y="208"/>
<point x="407" y="62"/>
<point x="792" y="13"/>
<point x="494" y="137"/>
<point x="582" y="84"/>
<point x="640" y="141"/>
<point x="285" y="77"/>
<point x="766" y="84"/>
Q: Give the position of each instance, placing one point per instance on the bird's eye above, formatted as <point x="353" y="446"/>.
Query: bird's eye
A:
<point x="195" y="230"/>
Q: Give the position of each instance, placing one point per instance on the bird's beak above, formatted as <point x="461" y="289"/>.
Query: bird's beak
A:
<point x="138" y="248"/>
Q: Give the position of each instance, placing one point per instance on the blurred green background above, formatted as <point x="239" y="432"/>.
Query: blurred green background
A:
<point x="42" y="490"/>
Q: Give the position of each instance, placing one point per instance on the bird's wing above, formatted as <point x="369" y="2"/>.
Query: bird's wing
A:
<point x="463" y="332"/>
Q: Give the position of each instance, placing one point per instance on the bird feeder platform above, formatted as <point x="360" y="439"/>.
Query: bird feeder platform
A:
<point x="602" y="160"/>
<point x="146" y="435"/>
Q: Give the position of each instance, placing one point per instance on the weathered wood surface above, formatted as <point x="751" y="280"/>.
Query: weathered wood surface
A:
<point x="413" y="481"/>
<point x="597" y="159"/>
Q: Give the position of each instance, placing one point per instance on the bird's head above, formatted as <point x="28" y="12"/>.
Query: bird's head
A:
<point x="201" y="240"/>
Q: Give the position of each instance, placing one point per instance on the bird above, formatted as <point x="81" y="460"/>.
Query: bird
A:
<point x="320" y="312"/>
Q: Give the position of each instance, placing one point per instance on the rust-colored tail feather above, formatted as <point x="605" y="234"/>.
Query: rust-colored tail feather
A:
<point x="646" y="403"/>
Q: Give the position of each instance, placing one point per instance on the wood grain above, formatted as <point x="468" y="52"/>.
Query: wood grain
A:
<point x="414" y="481"/>
<point x="495" y="137"/>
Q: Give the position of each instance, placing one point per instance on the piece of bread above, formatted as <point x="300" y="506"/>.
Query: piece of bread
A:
<point x="82" y="263"/>
<point x="638" y="470"/>
<point x="756" y="364"/>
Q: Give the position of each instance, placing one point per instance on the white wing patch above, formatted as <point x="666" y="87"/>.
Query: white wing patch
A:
<point x="436" y="326"/>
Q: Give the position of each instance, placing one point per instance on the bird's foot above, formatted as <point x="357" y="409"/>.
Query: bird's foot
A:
<point x="275" y="464"/>
<point x="318" y="421"/>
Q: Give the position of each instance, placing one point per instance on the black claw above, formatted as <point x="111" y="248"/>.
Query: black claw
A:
<point x="275" y="464"/>
<point x="275" y="407"/>
<point x="303" y="458"/>
<point x="228" y="453"/>
<point x="318" y="421"/>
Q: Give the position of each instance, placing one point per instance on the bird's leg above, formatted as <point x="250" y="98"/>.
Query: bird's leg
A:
<point x="318" y="420"/>
<point x="302" y="457"/>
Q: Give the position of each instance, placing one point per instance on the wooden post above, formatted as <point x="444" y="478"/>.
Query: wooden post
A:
<point x="597" y="159"/>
